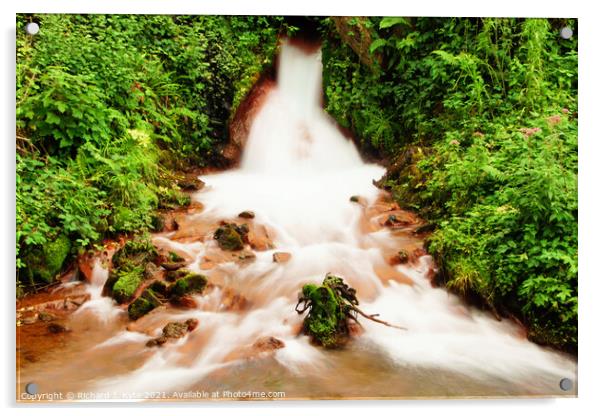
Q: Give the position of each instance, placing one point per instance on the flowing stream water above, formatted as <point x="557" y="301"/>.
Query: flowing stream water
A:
<point x="297" y="175"/>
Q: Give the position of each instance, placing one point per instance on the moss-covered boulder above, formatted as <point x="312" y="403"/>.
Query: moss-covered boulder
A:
<point x="160" y="287"/>
<point x="126" y="281"/>
<point x="330" y="307"/>
<point x="172" y="276"/>
<point x="132" y="264"/>
<point x="45" y="263"/>
<point x="139" y="250"/>
<point x="190" y="283"/>
<point x="231" y="236"/>
<point x="143" y="304"/>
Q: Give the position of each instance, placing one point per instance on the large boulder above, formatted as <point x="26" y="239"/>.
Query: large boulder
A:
<point x="45" y="263"/>
<point x="131" y="265"/>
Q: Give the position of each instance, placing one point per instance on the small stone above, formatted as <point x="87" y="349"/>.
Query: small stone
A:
<point x="156" y="342"/>
<point x="57" y="328"/>
<point x="281" y="257"/>
<point x="268" y="344"/>
<point x="246" y="256"/>
<point x="427" y="228"/>
<point x="175" y="330"/>
<point x="247" y="214"/>
<point x="192" y="324"/>
<point x="29" y="320"/>
<point x="186" y="302"/>
<point x="46" y="317"/>
<point x="172" y="276"/>
<point x="403" y="256"/>
<point x="391" y="220"/>
<point x="193" y="184"/>
<point x="150" y="269"/>
<point x="172" y="266"/>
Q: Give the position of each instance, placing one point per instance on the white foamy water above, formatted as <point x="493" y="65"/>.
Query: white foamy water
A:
<point x="101" y="307"/>
<point x="297" y="174"/>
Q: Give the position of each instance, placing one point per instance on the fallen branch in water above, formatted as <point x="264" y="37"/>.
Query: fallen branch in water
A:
<point x="372" y="318"/>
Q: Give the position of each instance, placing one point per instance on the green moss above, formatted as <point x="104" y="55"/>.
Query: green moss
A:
<point x="175" y="258"/>
<point x="173" y="275"/>
<point x="322" y="322"/>
<point x="327" y="321"/>
<point x="173" y="198"/>
<point x="160" y="287"/>
<point x="45" y="263"/>
<point x="132" y="264"/>
<point x="143" y="305"/>
<point x="135" y="252"/>
<point x="127" y="281"/>
<point x="191" y="283"/>
<point x="403" y="256"/>
<point x="230" y="236"/>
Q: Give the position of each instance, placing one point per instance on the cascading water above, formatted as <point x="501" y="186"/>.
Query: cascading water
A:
<point x="297" y="174"/>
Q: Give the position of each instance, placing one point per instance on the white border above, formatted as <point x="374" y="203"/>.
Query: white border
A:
<point x="590" y="177"/>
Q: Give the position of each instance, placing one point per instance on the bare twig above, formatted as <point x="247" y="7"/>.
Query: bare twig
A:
<point x="372" y="318"/>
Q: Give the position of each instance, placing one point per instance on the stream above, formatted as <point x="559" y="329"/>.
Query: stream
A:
<point x="297" y="174"/>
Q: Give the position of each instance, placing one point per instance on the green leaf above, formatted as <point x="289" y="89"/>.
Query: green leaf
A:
<point x="387" y="22"/>
<point x="52" y="118"/>
<point x="378" y="43"/>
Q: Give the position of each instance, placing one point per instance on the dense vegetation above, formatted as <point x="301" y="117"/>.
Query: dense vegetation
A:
<point x="478" y="118"/>
<point x="107" y="106"/>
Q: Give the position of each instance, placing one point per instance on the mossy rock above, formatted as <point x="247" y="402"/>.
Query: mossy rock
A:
<point x="329" y="303"/>
<point x="160" y="287"/>
<point x="132" y="264"/>
<point x="191" y="184"/>
<point x="45" y="263"/>
<point x="126" y="283"/>
<point x="157" y="223"/>
<point x="172" y="276"/>
<point x="191" y="283"/>
<point x="247" y="214"/>
<point x="135" y="252"/>
<point x="231" y="236"/>
<point x="174" y="257"/>
<point x="403" y="256"/>
<point x="143" y="305"/>
<point x="175" y="329"/>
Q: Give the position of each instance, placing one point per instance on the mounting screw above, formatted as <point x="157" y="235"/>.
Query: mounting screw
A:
<point x="566" y="32"/>
<point x="566" y="384"/>
<point x="32" y="28"/>
<point x="31" y="388"/>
